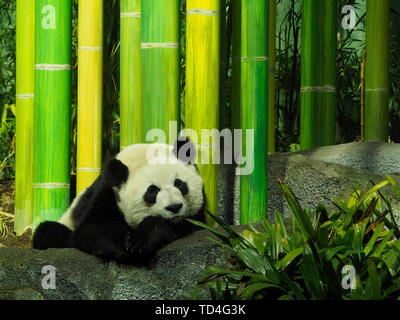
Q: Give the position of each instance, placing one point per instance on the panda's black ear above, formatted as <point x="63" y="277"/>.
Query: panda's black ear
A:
<point x="184" y="150"/>
<point x="115" y="172"/>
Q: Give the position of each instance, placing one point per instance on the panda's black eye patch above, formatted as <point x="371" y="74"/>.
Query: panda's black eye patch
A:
<point x="182" y="186"/>
<point x="150" y="195"/>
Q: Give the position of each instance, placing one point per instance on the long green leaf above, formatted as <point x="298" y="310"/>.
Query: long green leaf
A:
<point x="249" y="291"/>
<point x="289" y="258"/>
<point x="299" y="213"/>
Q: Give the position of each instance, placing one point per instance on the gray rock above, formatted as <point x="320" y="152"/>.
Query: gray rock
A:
<point x="316" y="176"/>
<point x="314" y="182"/>
<point x="81" y="276"/>
<point x="372" y="156"/>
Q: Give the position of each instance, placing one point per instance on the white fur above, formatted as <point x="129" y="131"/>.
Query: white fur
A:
<point x="140" y="159"/>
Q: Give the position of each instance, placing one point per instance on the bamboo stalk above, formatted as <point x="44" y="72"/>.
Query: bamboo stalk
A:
<point x="160" y="65"/>
<point x="25" y="114"/>
<point x="318" y="77"/>
<point x="271" y="75"/>
<point x="253" y="108"/>
<point x="328" y="72"/>
<point x="224" y="43"/>
<point x="362" y="95"/>
<point x="377" y="70"/>
<point x="130" y="66"/>
<point x="202" y="83"/>
<point x="52" y="109"/>
<point x="236" y="35"/>
<point x="90" y="78"/>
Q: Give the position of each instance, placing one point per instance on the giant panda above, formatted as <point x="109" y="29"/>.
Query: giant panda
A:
<point x="137" y="205"/>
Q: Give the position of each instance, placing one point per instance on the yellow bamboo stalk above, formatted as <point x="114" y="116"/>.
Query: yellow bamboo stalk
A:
<point x="90" y="49"/>
<point x="202" y="82"/>
<point x="25" y="114"/>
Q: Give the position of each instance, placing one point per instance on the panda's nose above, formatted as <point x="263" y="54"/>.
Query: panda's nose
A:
<point x="174" y="207"/>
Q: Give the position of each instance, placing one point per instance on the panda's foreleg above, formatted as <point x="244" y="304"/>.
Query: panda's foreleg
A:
<point x="104" y="239"/>
<point x="151" y="234"/>
<point x="51" y="234"/>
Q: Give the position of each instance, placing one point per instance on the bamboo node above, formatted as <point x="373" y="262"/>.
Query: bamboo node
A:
<point x="52" y="67"/>
<point x="130" y="14"/>
<point x="24" y="96"/>
<point x="51" y="185"/>
<point x="89" y="169"/>
<point x="201" y="11"/>
<point x="254" y="58"/>
<point x="377" y="90"/>
<point x="90" y="48"/>
<point x="151" y="45"/>
<point x="326" y="88"/>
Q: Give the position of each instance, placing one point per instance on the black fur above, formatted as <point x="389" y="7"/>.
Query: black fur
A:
<point x="51" y="235"/>
<point x="116" y="173"/>
<point x="101" y="230"/>
<point x="182" y="186"/>
<point x="150" y="195"/>
<point x="184" y="150"/>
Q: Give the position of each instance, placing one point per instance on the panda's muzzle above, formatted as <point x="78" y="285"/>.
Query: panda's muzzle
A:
<point x="174" y="208"/>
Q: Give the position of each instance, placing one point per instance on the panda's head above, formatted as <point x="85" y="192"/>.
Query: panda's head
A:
<point x="156" y="180"/>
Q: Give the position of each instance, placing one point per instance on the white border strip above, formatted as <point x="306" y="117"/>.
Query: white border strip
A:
<point x="152" y="45"/>
<point x="51" y="185"/>
<point x="90" y="48"/>
<point x="203" y="12"/>
<point x="326" y="88"/>
<point x="88" y="169"/>
<point x="130" y="15"/>
<point x="52" y="67"/>
<point x="24" y="96"/>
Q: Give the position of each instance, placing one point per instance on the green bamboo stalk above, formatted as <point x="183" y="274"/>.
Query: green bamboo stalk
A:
<point x="160" y="64"/>
<point x="202" y="83"/>
<point x="377" y="70"/>
<point x="25" y="113"/>
<point x="223" y="38"/>
<point x="52" y="109"/>
<point x="130" y="66"/>
<point x="253" y="107"/>
<point x="271" y="75"/>
<point x="318" y="77"/>
<point x="236" y="35"/>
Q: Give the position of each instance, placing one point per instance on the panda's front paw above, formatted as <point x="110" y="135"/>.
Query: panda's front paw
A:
<point x="131" y="242"/>
<point x="152" y="234"/>
<point x="136" y="245"/>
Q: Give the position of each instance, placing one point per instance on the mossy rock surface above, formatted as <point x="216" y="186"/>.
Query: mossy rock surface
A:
<point x="318" y="176"/>
<point x="79" y="276"/>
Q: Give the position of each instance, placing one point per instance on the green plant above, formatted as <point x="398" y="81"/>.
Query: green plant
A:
<point x="308" y="261"/>
<point x="7" y="88"/>
<point x="7" y="140"/>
